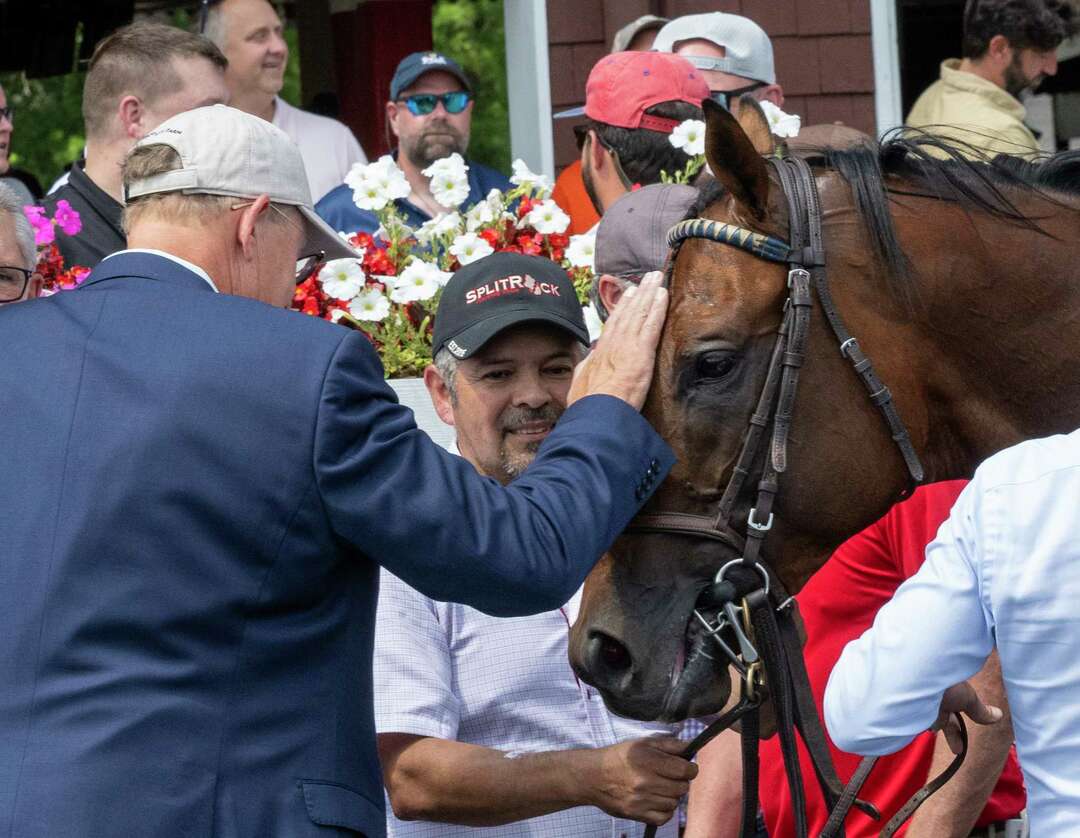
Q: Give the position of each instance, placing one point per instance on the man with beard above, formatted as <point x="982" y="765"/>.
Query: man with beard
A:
<point x="430" y="113"/>
<point x="1009" y="47"/>
<point x="480" y="720"/>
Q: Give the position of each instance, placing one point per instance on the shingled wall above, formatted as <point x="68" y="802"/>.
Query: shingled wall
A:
<point x="823" y="55"/>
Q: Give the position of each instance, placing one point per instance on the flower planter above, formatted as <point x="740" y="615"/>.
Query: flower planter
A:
<point x="412" y="393"/>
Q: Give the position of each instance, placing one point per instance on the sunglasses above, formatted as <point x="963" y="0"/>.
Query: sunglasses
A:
<point x="8" y="113"/>
<point x="724" y="98"/>
<point x="422" y="104"/>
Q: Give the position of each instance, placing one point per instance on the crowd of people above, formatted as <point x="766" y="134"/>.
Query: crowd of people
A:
<point x="242" y="594"/>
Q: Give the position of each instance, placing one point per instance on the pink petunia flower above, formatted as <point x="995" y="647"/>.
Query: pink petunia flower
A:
<point x="42" y="224"/>
<point x="67" y="218"/>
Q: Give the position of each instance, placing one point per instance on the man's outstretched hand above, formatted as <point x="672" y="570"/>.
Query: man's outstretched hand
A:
<point x="962" y="698"/>
<point x="621" y="363"/>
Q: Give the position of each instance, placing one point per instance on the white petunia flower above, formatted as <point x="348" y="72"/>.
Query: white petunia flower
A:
<point x="469" y="247"/>
<point x="342" y="278"/>
<point x="780" y="123"/>
<point x="370" y="304"/>
<point x="478" y="215"/>
<point x="593" y="322"/>
<point x="547" y="217"/>
<point x="581" y="251"/>
<point x="530" y="180"/>
<point x="447" y="223"/>
<point x="419" y="281"/>
<point x="449" y="180"/>
<point x="689" y="135"/>
<point x="374" y="185"/>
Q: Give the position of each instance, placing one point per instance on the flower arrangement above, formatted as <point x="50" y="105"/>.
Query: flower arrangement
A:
<point x="50" y="264"/>
<point x="392" y="292"/>
<point x="689" y="135"/>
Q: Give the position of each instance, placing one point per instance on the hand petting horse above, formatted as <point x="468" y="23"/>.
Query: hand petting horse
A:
<point x="956" y="278"/>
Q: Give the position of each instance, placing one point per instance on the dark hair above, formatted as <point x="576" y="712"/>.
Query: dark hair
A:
<point x="137" y="59"/>
<point x="643" y="153"/>
<point x="1028" y="24"/>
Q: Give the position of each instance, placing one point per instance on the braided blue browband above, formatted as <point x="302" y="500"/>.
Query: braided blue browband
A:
<point x="762" y="246"/>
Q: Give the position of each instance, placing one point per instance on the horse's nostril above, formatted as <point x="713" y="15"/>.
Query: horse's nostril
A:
<point x="613" y="655"/>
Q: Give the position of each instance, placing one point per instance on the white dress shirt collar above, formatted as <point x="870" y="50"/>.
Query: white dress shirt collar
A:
<point x="184" y="263"/>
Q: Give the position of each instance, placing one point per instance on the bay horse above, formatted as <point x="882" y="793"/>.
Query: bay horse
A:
<point x="960" y="281"/>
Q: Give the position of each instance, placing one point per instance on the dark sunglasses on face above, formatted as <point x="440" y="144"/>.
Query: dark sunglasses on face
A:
<point x="726" y="97"/>
<point x="8" y="113"/>
<point x="422" y="104"/>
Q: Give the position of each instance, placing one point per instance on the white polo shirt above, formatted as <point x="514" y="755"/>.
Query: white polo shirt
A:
<point x="328" y="147"/>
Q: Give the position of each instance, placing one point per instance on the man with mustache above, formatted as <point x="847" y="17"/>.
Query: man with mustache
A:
<point x="430" y="114"/>
<point x="1009" y="47"/>
<point x="480" y="720"/>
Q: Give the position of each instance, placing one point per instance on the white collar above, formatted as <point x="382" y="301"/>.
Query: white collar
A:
<point x="184" y="263"/>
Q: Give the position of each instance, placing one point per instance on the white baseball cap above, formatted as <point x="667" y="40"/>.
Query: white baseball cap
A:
<point x="748" y="50"/>
<point x="225" y="151"/>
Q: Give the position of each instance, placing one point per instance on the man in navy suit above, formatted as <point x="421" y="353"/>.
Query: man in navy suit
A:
<point x="203" y="489"/>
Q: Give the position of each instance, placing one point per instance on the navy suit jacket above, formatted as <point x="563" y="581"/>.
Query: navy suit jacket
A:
<point x="195" y="492"/>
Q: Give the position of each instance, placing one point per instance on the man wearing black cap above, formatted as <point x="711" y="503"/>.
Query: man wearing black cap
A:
<point x="480" y="720"/>
<point x="430" y="113"/>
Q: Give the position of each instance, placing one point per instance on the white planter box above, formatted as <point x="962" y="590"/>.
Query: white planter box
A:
<point x="412" y="393"/>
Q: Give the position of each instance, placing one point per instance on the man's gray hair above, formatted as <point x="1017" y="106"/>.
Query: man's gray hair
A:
<point x="447" y="366"/>
<point x="24" y="234"/>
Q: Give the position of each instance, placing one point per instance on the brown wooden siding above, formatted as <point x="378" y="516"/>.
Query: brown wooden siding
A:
<point x="822" y="48"/>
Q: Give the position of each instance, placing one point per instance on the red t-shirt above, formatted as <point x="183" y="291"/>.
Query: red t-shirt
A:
<point x="838" y="604"/>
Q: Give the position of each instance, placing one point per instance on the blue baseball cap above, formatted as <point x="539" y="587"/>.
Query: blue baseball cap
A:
<point x="415" y="65"/>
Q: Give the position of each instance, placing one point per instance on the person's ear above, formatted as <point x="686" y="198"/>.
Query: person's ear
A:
<point x="597" y="152"/>
<point x="245" y="225"/>
<point x="37" y="283"/>
<point x="1000" y="50"/>
<point x="392" y="109"/>
<point x="131" y="114"/>
<point x="440" y="394"/>
<point x="773" y="93"/>
<point x="610" y="291"/>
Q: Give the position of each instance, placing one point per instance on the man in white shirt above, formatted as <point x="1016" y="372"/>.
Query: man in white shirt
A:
<point x="480" y="720"/>
<point x="250" y="34"/>
<point x="1002" y="573"/>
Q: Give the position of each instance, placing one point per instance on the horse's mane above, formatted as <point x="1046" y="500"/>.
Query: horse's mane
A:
<point x="911" y="162"/>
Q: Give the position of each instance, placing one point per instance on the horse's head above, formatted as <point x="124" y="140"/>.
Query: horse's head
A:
<point x="636" y="625"/>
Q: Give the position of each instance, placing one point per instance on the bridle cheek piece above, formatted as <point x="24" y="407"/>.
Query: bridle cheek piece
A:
<point x="745" y="595"/>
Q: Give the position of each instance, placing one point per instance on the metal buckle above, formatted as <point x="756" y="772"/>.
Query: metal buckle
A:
<point x="791" y="275"/>
<point x="722" y="572"/>
<point x="844" y="346"/>
<point x="750" y="522"/>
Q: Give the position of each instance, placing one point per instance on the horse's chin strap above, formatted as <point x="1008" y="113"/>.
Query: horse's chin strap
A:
<point x="763" y="627"/>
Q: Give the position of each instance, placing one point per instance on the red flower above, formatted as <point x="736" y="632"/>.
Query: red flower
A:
<point x="311" y="306"/>
<point x="530" y="244"/>
<point x="377" y="262"/>
<point x="363" y="240"/>
<point x="491" y="236"/>
<point x="525" y="204"/>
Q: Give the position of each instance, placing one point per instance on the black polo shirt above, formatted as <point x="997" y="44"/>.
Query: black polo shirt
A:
<point x="101" y="233"/>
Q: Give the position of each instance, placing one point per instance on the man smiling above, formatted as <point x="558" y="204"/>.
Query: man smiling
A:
<point x="481" y="722"/>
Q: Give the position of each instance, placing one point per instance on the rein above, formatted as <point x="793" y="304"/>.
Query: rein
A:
<point x="746" y="601"/>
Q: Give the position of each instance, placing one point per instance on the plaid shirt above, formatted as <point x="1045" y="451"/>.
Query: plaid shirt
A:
<point x="451" y="672"/>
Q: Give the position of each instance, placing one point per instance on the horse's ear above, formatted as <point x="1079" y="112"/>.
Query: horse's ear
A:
<point x="733" y="159"/>
<point x="752" y="120"/>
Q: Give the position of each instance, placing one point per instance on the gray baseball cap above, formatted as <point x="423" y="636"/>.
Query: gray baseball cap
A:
<point x="748" y="50"/>
<point x="225" y="151"/>
<point x="631" y="238"/>
<point x="627" y="33"/>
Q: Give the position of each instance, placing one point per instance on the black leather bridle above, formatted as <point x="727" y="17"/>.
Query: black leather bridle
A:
<point x="746" y="598"/>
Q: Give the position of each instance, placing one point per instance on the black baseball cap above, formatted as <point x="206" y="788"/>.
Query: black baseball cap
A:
<point x="502" y="290"/>
<point x="415" y="64"/>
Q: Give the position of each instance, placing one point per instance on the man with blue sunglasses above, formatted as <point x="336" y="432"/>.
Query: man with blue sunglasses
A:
<point x="430" y="114"/>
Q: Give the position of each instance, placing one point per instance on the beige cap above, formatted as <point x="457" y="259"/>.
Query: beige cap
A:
<point x="225" y="151"/>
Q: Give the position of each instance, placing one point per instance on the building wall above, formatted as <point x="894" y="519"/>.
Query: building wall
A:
<point x="822" y="48"/>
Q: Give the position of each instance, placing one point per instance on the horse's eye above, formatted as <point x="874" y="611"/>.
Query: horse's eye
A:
<point x="712" y="366"/>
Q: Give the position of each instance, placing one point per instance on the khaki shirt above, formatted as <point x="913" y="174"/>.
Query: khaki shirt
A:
<point x="966" y="107"/>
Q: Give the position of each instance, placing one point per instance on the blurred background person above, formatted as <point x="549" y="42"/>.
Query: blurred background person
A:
<point x="18" y="253"/>
<point x="250" y="34"/>
<point x="139" y="76"/>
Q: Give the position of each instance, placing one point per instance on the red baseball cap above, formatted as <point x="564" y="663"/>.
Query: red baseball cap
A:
<point x="623" y="85"/>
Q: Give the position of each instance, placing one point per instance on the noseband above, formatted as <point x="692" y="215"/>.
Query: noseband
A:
<point x="764" y="614"/>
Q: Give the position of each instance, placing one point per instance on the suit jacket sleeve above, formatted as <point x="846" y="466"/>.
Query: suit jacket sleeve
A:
<point x="434" y="522"/>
